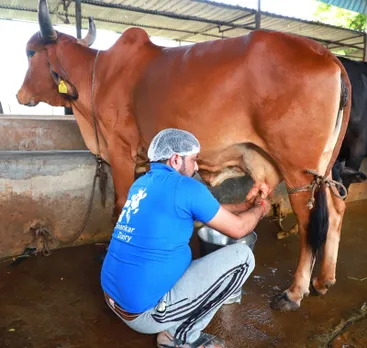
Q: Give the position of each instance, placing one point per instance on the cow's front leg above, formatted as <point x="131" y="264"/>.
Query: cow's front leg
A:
<point x="291" y="298"/>
<point x="123" y="168"/>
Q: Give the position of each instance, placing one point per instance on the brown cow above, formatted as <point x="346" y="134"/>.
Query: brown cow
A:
<point x="265" y="104"/>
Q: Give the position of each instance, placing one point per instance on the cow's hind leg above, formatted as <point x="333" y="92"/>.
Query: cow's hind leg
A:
<point x="292" y="297"/>
<point x="326" y="276"/>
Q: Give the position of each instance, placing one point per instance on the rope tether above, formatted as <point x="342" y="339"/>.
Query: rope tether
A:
<point x="317" y="183"/>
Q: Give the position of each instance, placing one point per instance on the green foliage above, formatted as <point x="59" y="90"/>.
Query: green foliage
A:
<point x="340" y="17"/>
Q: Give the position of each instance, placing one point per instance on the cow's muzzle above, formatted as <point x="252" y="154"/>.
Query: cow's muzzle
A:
<point x="24" y="101"/>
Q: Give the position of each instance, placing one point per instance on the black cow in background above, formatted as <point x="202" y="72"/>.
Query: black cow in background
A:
<point x="354" y="146"/>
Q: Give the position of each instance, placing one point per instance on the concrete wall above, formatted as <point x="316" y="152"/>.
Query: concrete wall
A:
<point x="52" y="188"/>
<point x="40" y="133"/>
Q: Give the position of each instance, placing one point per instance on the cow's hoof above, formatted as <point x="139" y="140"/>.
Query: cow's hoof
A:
<point x="282" y="235"/>
<point x="313" y="290"/>
<point x="283" y="303"/>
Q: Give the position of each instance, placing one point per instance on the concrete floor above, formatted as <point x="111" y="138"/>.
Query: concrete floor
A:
<point x="56" y="301"/>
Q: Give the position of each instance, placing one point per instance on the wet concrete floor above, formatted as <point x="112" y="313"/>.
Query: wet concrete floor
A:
<point x="56" y="301"/>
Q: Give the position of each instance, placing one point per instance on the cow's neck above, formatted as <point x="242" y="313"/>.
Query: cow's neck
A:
<point x="117" y="69"/>
<point x="81" y="79"/>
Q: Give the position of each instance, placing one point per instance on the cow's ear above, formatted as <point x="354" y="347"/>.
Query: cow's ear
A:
<point x="63" y="85"/>
<point x="57" y="73"/>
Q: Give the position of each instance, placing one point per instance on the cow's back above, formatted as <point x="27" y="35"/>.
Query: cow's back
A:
<point x="230" y="86"/>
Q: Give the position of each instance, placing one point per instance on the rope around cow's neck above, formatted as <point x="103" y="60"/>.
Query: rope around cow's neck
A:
<point x="98" y="155"/>
<point x="318" y="182"/>
<point x="100" y="170"/>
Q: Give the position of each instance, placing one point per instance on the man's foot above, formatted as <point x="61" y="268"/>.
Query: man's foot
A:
<point x="166" y="340"/>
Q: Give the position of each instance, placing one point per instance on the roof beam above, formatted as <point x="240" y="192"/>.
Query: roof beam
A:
<point x="97" y="19"/>
<point x="185" y="31"/>
<point x="252" y="13"/>
<point x="18" y="8"/>
<point x="223" y="26"/>
<point x="158" y="13"/>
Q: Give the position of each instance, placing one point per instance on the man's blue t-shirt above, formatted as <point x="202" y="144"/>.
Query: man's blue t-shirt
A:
<point x="149" y="250"/>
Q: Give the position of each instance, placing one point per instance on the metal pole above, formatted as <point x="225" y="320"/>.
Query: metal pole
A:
<point x="78" y="20"/>
<point x="365" y="44"/>
<point x="258" y="15"/>
<point x="78" y="17"/>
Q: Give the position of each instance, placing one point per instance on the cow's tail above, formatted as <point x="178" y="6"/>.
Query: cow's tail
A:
<point x="319" y="218"/>
<point x="319" y="222"/>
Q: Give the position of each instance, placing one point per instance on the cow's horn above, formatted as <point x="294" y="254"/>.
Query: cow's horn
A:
<point x="48" y="33"/>
<point x="91" y="35"/>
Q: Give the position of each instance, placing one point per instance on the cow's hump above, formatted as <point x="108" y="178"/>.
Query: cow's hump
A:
<point x="134" y="36"/>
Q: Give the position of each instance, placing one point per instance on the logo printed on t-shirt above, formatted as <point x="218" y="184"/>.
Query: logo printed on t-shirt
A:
<point x="132" y="205"/>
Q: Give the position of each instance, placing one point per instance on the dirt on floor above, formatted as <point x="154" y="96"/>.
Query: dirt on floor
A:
<point x="57" y="302"/>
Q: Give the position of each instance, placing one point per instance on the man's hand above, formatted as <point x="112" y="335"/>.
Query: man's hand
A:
<point x="238" y="208"/>
<point x="265" y="203"/>
<point x="238" y="226"/>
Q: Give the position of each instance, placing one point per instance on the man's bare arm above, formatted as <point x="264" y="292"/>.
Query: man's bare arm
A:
<point x="238" y="208"/>
<point x="237" y="226"/>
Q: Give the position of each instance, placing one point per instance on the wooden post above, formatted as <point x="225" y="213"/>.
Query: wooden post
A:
<point x="258" y="15"/>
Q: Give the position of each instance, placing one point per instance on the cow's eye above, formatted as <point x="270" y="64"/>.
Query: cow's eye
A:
<point x="30" y="53"/>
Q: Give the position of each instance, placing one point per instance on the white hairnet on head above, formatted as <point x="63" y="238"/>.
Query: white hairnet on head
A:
<point x="172" y="141"/>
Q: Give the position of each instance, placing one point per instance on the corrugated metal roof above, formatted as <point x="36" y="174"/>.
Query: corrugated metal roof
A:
<point x="185" y="20"/>
<point x="352" y="5"/>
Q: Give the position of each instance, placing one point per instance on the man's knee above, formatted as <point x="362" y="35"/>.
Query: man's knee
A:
<point x="244" y="255"/>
